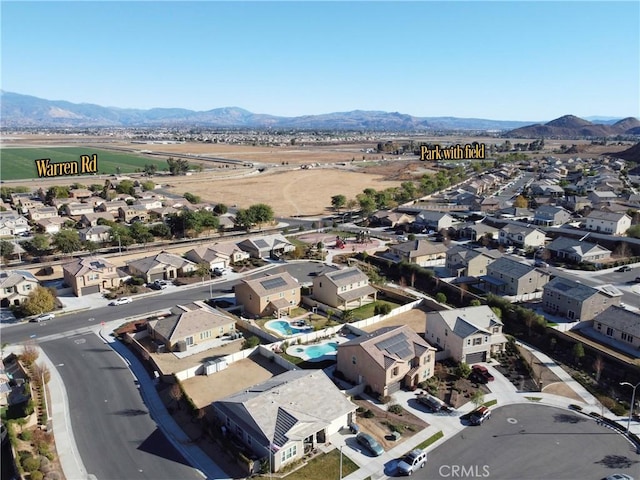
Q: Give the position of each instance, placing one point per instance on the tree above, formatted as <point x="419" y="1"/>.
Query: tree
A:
<point x="160" y="230"/>
<point x="67" y="241"/>
<point x="56" y="192"/>
<point x="338" y="201"/>
<point x="90" y="246"/>
<point x="475" y="303"/>
<point x="477" y="398"/>
<point x="6" y="249"/>
<point x="203" y="270"/>
<point x="634" y="231"/>
<point x="40" y="244"/>
<point x="250" y="342"/>
<point x="126" y="187"/>
<point x="40" y="300"/>
<point x="176" y="394"/>
<point x="244" y="219"/>
<point x="598" y="366"/>
<point x="191" y="198"/>
<point x="148" y="185"/>
<point x="347" y="316"/>
<point x="520" y="202"/>
<point x="178" y="167"/>
<point x="140" y="233"/>
<point x="367" y="204"/>
<point x="220" y="209"/>
<point x="261" y="213"/>
<point x="150" y="169"/>
<point x="578" y="352"/>
<point x="463" y="370"/>
<point x="29" y="354"/>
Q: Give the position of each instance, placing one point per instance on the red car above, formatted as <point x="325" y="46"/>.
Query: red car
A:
<point x="482" y="372"/>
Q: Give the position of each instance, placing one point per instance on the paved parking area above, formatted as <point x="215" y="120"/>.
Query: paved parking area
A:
<point x="533" y="442"/>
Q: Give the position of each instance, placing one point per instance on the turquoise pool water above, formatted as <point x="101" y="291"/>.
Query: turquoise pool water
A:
<point x="285" y="329"/>
<point x="317" y="351"/>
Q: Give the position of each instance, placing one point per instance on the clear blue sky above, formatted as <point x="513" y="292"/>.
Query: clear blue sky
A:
<point x="498" y="60"/>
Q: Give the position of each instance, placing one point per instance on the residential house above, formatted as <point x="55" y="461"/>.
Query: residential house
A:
<point x="470" y="335"/>
<point x="112" y="207"/>
<point x="269" y="295"/>
<point x="619" y="324"/>
<point x="163" y="266"/>
<point x="547" y="190"/>
<point x="163" y="212"/>
<point x="80" y="194"/>
<point x="420" y="252"/>
<point x="287" y="416"/>
<point x="91" y="219"/>
<point x="133" y="213"/>
<point x="267" y="246"/>
<point x="227" y="221"/>
<point x="51" y="225"/>
<point x="601" y="196"/>
<point x="78" y="209"/>
<point x="209" y="255"/>
<point x="12" y="223"/>
<point x="36" y="214"/>
<point x="489" y="205"/>
<point x="515" y="213"/>
<point x="510" y="277"/>
<point x="231" y="250"/>
<point x="476" y="231"/>
<point x="521" y="236"/>
<point x="15" y="287"/>
<point x="149" y="203"/>
<point x="386" y="218"/>
<point x="387" y="359"/>
<point x="344" y="289"/>
<point x="607" y="222"/>
<point x="563" y="248"/>
<point x="575" y="300"/>
<point x="432" y="220"/>
<point x="466" y="262"/>
<point x="97" y="234"/>
<point x="575" y="203"/>
<point x="91" y="275"/>
<point x="549" y="216"/>
<point x="190" y="325"/>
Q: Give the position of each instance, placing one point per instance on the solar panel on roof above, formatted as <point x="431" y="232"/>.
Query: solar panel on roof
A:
<point x="347" y="274"/>
<point x="260" y="243"/>
<point x="396" y="345"/>
<point x="273" y="283"/>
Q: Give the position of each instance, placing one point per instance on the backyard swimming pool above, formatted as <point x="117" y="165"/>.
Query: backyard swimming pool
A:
<point x="313" y="352"/>
<point x="285" y="329"/>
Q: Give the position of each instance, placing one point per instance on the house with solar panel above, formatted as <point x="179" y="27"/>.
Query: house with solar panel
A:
<point x="267" y="246"/>
<point x="387" y="359"/>
<point x="287" y="416"/>
<point x="470" y="335"/>
<point x="345" y="289"/>
<point x="269" y="295"/>
<point x="577" y="301"/>
<point x="92" y="275"/>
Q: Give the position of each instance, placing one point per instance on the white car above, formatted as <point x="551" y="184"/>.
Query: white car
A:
<point x="44" y="317"/>
<point x="121" y="301"/>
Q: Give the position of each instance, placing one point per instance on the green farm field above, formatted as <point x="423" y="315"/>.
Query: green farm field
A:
<point x="19" y="163"/>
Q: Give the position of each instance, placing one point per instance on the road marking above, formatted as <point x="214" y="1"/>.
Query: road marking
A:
<point x="91" y="319"/>
<point x="80" y="341"/>
<point x="512" y="421"/>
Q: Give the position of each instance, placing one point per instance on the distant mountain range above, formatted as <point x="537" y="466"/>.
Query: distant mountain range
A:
<point x="571" y="126"/>
<point x="27" y="111"/>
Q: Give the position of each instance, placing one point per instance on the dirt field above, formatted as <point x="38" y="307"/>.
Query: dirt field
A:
<point x="416" y="319"/>
<point x="298" y="192"/>
<point x="242" y="374"/>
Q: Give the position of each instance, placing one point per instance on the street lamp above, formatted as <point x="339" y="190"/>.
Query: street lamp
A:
<point x="119" y="244"/>
<point x="341" y="461"/>
<point x="633" y="399"/>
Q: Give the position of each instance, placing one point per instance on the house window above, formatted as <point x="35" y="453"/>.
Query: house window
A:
<point x="599" y="326"/>
<point x="93" y="276"/>
<point x="228" y="422"/>
<point x="289" y="453"/>
<point x="495" y="330"/>
<point x="239" y="432"/>
<point x="395" y="371"/>
<point x="626" y="337"/>
<point x="281" y="294"/>
<point x="27" y="287"/>
<point x="477" y="341"/>
<point x="204" y="335"/>
<point x="609" y="332"/>
<point x="353" y="360"/>
<point x="468" y="341"/>
<point x="188" y="341"/>
<point x="320" y="284"/>
<point x="249" y="440"/>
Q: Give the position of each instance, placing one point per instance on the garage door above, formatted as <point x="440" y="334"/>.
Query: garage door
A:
<point x="476" y="357"/>
<point x="157" y="276"/>
<point x="394" y="387"/>
<point x="89" y="290"/>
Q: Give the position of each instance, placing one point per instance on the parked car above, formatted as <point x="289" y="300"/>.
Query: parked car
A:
<point x="412" y="461"/>
<point x="220" y="271"/>
<point x="431" y="402"/>
<point x="481" y="370"/>
<point x="624" y="268"/>
<point x="370" y="443"/>
<point x="121" y="301"/>
<point x="619" y="476"/>
<point x="637" y="280"/>
<point x="479" y="416"/>
<point x="159" y="284"/>
<point x="43" y="318"/>
<point x="354" y="428"/>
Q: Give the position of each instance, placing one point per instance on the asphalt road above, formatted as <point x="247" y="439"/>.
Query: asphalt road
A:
<point x="26" y="332"/>
<point x="116" y="437"/>
<point x="522" y="442"/>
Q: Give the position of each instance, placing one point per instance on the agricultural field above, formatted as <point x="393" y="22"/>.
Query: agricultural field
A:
<point x="19" y="163"/>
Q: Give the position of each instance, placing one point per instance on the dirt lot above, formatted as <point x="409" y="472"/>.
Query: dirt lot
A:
<point x="242" y="374"/>
<point x="416" y="319"/>
<point x="290" y="193"/>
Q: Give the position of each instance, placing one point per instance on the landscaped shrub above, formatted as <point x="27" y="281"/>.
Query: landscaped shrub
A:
<point x="31" y="464"/>
<point x="52" y="476"/>
<point x="384" y="398"/>
<point x="368" y="414"/>
<point x="397" y="409"/>
<point x="26" y="436"/>
<point x="36" y="475"/>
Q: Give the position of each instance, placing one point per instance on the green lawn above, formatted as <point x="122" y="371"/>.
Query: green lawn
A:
<point x="325" y="466"/>
<point x="432" y="439"/>
<point x="19" y="163"/>
<point x="490" y="403"/>
<point x="367" y="311"/>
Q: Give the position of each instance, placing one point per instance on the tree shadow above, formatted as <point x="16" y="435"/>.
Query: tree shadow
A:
<point x="130" y="412"/>
<point x="568" y="418"/>
<point x="617" y="461"/>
